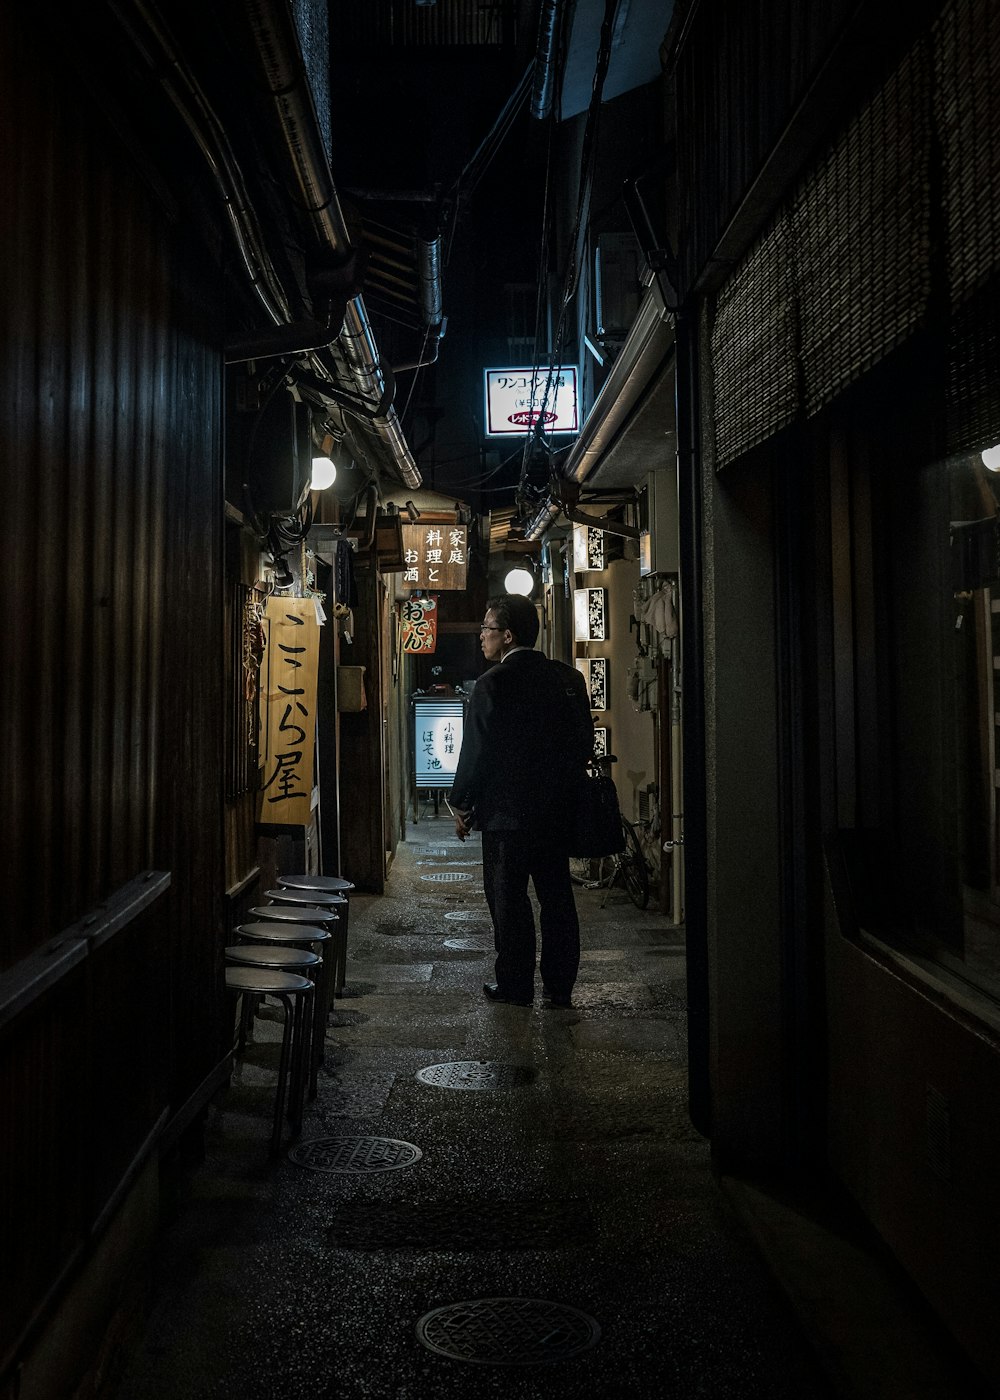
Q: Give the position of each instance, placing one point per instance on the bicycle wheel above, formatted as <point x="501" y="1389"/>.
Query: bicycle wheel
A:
<point x="581" y="870"/>
<point x="632" y="868"/>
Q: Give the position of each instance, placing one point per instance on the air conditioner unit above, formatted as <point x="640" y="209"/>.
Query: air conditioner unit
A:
<point x="659" y="543"/>
<point x="269" y="453"/>
<point x="617" y="284"/>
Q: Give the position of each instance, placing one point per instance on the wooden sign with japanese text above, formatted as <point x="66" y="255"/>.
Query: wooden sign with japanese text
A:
<point x="420" y="625"/>
<point x="288" y="709"/>
<point x="435" y="556"/>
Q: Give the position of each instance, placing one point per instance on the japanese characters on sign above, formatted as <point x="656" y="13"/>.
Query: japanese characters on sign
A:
<point x="517" y="398"/>
<point x="420" y="625"/>
<point x="436" y="556"/>
<point x="438" y="726"/>
<point x="595" y="673"/>
<point x="590" y="614"/>
<point x="288" y="709"/>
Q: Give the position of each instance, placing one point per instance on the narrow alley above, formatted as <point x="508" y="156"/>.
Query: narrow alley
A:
<point x="579" y="1182"/>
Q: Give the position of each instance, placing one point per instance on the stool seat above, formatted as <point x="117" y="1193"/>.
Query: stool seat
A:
<point x="314" y="897"/>
<point x="264" y="981"/>
<point x="278" y="959"/>
<point x="306" y="914"/>
<point x="282" y="933"/>
<point x="332" y="884"/>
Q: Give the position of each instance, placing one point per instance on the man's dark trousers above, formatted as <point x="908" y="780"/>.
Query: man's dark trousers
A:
<point x="510" y="859"/>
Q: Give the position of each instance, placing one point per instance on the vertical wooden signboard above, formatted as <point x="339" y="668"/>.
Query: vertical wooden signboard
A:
<point x="288" y="706"/>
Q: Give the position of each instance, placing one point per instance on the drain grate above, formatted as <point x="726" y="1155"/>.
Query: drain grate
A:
<point x="465" y="915"/>
<point x="476" y="1074"/>
<point x="447" y="877"/>
<point x="462" y="1225"/>
<point x="467" y="945"/>
<point x="354" y="1156"/>
<point x="508" y="1331"/>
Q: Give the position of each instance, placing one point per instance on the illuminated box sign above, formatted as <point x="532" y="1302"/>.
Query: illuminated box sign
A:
<point x="435" y="556"/>
<point x="438" y="726"/>
<point x="515" y="398"/>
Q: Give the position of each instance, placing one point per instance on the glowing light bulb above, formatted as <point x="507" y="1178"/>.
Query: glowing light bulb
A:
<point x="991" y="458"/>
<point x="519" y="580"/>
<point x="324" y="473"/>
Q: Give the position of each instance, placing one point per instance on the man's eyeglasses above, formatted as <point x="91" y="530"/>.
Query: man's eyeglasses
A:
<point x="490" y="627"/>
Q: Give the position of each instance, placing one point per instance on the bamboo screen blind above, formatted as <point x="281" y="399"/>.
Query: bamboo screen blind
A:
<point x="845" y="272"/>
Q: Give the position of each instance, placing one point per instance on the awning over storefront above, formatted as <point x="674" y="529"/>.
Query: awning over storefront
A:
<point x="630" y="431"/>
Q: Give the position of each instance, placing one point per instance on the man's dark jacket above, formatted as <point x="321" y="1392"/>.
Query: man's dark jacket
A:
<point x="528" y="734"/>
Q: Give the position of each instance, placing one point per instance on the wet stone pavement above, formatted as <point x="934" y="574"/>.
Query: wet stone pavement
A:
<point x="556" y="1171"/>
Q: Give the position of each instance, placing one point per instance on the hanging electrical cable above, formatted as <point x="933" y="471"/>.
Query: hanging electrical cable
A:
<point x="571" y="278"/>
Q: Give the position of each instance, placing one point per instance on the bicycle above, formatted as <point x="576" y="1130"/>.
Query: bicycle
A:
<point x="626" y="868"/>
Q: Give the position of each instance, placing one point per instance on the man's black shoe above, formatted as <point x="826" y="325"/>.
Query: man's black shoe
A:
<point x="493" y="993"/>
<point x="558" y="1003"/>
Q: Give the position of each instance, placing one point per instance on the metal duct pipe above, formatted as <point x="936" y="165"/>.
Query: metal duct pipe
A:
<point x="278" y="49"/>
<point x="431" y="303"/>
<point x="543" y="83"/>
<point x="157" y="46"/>
<point x="649" y="341"/>
<point x="429" y="272"/>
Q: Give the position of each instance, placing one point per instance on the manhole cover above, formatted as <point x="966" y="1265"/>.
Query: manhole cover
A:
<point x="465" y="915"/>
<point x="507" y="1331"/>
<point x="476" y="1074"/>
<point x="354" y="1155"/>
<point x="467" y="1225"/>
<point x="467" y="945"/>
<point x="447" y="877"/>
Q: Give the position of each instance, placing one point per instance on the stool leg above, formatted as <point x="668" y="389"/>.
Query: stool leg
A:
<point x="317" y="1033"/>
<point x="302" y="1018"/>
<point x="341" y="937"/>
<point x="287" y="1036"/>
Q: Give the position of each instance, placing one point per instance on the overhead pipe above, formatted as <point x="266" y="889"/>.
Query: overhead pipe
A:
<point x="543" y="83"/>
<point x="429" y="272"/>
<point x="155" y="43"/>
<point x="648" y="344"/>
<point x="431" y="303"/>
<point x="278" y="50"/>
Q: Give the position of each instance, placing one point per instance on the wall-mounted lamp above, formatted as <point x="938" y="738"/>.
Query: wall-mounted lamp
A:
<point x="521" y="578"/>
<point x="282" y="573"/>
<point x="588" y="548"/>
<point x="590" y="614"/>
<point x="324" y="473"/>
<point x="991" y="458"/>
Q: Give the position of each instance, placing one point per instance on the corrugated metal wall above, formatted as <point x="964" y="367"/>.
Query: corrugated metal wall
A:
<point x="111" y="701"/>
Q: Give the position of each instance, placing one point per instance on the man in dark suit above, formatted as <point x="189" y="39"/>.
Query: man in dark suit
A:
<point x="528" y="735"/>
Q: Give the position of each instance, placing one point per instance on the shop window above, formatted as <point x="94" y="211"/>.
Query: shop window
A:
<point x="916" y="587"/>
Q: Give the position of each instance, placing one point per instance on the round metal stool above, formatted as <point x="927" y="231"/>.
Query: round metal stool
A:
<point x="307" y="964"/>
<point x="293" y="992"/>
<point x="329" y="884"/>
<point x="320" y="900"/>
<point x="294" y="933"/>
<point x="308" y="914"/>
<point x="326" y="884"/>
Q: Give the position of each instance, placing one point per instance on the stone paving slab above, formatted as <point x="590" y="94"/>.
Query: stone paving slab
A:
<point x="279" y="1282"/>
